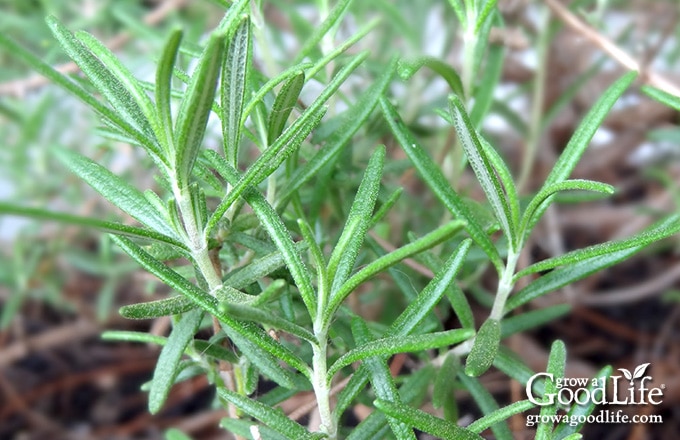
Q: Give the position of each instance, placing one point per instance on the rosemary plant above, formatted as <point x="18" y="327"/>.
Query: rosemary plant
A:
<point x="264" y="273"/>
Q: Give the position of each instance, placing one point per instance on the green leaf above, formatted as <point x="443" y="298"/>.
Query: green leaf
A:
<point x="434" y="178"/>
<point x="275" y="228"/>
<point x="425" y="422"/>
<point x="274" y="418"/>
<point x="428" y="298"/>
<point x="444" y="385"/>
<point x="535" y="318"/>
<point x="534" y="209"/>
<point x="484" y="349"/>
<point x="499" y="415"/>
<point x="168" y="361"/>
<point x="128" y="336"/>
<point x="231" y="18"/>
<point x="556" y="364"/>
<point x="109" y="85"/>
<point x="116" y="190"/>
<point x="483" y="96"/>
<point x="509" y="363"/>
<point x="668" y="227"/>
<point x="192" y="118"/>
<point x="114" y="228"/>
<point x="561" y="277"/>
<point x="400" y="344"/>
<point x="661" y="96"/>
<point x="408" y="68"/>
<point x="259" y="95"/>
<point x="267" y="318"/>
<point x="461" y="306"/>
<point x="163" y="89"/>
<point x="486" y="175"/>
<point x="585" y="131"/>
<point x="430" y="240"/>
<point x="346" y="251"/>
<point x="155" y="309"/>
<point x="353" y="119"/>
<point x="283" y="105"/>
<point x="257" y="269"/>
<point x="214" y="350"/>
<point x="234" y="82"/>
<point x="484" y="14"/>
<point x="505" y="176"/>
<point x="381" y="379"/>
<point x="126" y="79"/>
<point x="486" y="403"/>
<point x="265" y="353"/>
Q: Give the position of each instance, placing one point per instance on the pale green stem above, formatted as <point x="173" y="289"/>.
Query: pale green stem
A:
<point x="196" y="240"/>
<point x="320" y="379"/>
<point x="322" y="389"/>
<point x="505" y="285"/>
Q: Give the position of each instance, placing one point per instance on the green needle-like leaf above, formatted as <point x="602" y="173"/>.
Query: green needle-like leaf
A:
<point x="106" y="82"/>
<point x="153" y="309"/>
<point x="102" y="225"/>
<point x="560" y="277"/>
<point x="168" y="362"/>
<point x="534" y="209"/>
<point x="484" y="349"/>
<point x="284" y="104"/>
<point x="430" y="240"/>
<point x="196" y="107"/>
<point x="355" y="117"/>
<point x="485" y="173"/>
<point x="248" y="313"/>
<point x="668" y="227"/>
<point x="347" y="249"/>
<point x="585" y="132"/>
<point x="116" y="190"/>
<point x="486" y="404"/>
<point x="381" y="379"/>
<point x="76" y="89"/>
<point x="126" y="79"/>
<point x="662" y="97"/>
<point x="434" y="178"/>
<point x="425" y="422"/>
<point x="556" y="364"/>
<point x="401" y="344"/>
<point x="272" y="417"/>
<point x="408" y="68"/>
<point x="163" y="89"/>
<point x="499" y="415"/>
<point x="234" y="81"/>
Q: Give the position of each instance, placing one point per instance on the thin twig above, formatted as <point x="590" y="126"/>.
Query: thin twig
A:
<point x="648" y="75"/>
